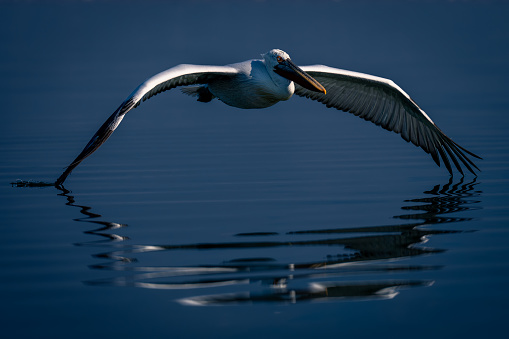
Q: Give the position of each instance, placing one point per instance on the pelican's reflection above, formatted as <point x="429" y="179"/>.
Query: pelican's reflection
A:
<point x="367" y="252"/>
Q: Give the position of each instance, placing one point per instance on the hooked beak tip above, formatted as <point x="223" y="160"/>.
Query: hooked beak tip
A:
<point x="318" y="87"/>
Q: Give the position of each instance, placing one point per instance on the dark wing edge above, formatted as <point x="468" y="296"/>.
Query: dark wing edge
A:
<point x="181" y="75"/>
<point x="385" y="104"/>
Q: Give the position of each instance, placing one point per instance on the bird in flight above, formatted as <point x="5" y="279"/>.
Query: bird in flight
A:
<point x="264" y="82"/>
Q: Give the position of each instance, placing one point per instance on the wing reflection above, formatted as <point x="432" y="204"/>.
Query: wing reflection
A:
<point x="345" y="254"/>
<point x="316" y="292"/>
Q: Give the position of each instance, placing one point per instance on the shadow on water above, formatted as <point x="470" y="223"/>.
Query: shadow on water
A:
<point x="370" y="252"/>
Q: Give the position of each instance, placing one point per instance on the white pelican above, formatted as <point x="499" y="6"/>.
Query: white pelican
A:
<point x="264" y="82"/>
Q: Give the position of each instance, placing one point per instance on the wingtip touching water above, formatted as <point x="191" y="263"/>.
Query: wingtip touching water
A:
<point x="262" y="83"/>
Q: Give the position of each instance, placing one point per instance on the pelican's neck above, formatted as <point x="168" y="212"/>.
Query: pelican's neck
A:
<point x="284" y="86"/>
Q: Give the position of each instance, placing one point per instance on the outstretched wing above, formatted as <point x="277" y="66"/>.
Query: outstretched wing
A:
<point x="385" y="104"/>
<point x="180" y="75"/>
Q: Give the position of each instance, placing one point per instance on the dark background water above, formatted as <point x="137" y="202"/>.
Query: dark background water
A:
<point x="296" y="220"/>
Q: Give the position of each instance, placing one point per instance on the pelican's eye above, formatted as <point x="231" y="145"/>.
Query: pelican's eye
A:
<point x="279" y="58"/>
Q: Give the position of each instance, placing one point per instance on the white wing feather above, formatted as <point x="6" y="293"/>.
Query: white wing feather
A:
<point x="180" y="75"/>
<point x="385" y="104"/>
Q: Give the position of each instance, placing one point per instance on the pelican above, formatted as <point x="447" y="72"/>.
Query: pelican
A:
<point x="264" y="82"/>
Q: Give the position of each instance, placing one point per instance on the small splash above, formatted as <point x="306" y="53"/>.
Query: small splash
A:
<point x="31" y="183"/>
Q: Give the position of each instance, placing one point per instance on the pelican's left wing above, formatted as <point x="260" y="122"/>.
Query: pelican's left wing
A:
<point x="384" y="103"/>
<point x="181" y="75"/>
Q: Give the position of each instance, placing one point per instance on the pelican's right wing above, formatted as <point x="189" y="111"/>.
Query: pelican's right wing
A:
<point x="385" y="104"/>
<point x="181" y="75"/>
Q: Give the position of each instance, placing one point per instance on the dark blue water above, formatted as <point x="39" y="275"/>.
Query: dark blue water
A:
<point x="202" y="220"/>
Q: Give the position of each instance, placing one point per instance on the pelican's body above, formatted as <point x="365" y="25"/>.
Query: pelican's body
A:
<point x="251" y="87"/>
<point x="265" y="82"/>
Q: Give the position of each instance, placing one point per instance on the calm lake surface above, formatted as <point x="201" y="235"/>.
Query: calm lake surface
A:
<point x="202" y="220"/>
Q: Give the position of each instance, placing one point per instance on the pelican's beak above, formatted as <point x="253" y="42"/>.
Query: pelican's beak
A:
<point x="291" y="71"/>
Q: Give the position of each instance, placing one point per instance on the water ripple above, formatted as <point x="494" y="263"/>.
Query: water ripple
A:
<point x="370" y="252"/>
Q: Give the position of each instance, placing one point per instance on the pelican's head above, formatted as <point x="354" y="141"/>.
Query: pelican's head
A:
<point x="279" y="61"/>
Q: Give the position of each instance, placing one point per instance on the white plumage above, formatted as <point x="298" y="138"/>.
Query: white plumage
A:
<point x="265" y="82"/>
